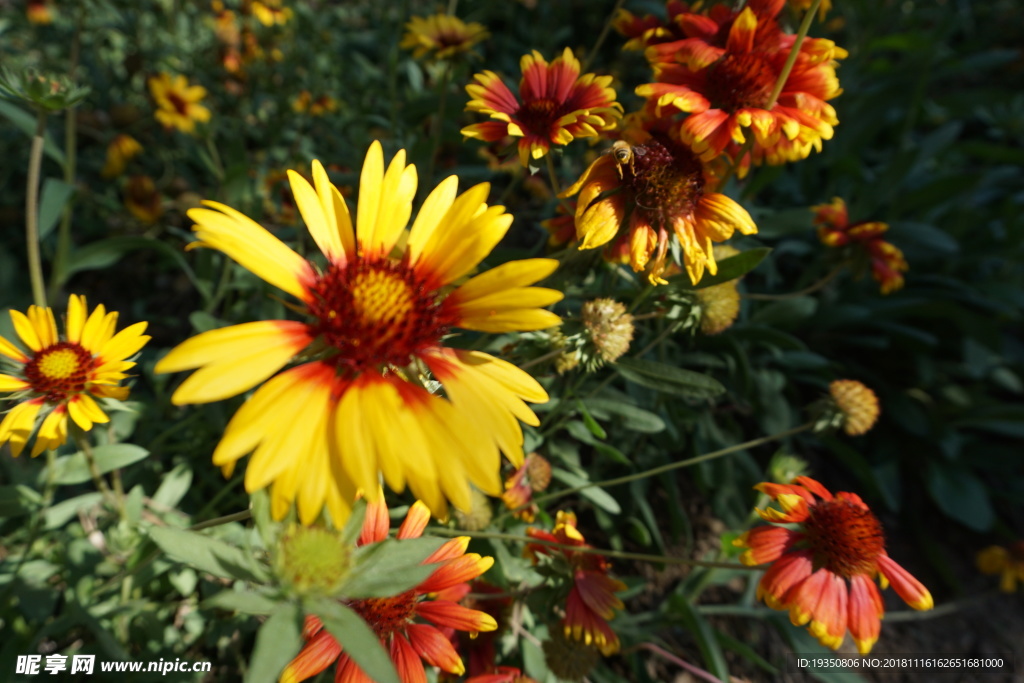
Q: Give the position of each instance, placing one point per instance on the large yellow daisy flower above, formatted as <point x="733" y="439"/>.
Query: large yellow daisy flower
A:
<point x="56" y="378"/>
<point x="376" y="317"/>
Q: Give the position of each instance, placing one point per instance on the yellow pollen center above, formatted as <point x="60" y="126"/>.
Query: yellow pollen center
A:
<point x="379" y="296"/>
<point x="59" y="364"/>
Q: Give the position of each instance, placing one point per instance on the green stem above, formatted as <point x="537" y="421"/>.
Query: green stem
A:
<point x="604" y="552"/>
<point x="673" y="465"/>
<point x="97" y="478"/>
<point x="801" y="33"/>
<point x="601" y="38"/>
<point x="803" y="292"/>
<point x="695" y="671"/>
<point x="63" y="253"/>
<point x="37" y="523"/>
<point x="226" y="519"/>
<point x="540" y="359"/>
<point x="556" y="187"/>
<point x="35" y="162"/>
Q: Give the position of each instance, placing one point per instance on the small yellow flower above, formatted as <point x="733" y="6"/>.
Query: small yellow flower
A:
<point x="441" y="36"/>
<point x="270" y="12"/>
<point x="142" y="199"/>
<point x="857" y="403"/>
<point x="1008" y="562"/>
<point x="178" y="102"/>
<point x="60" y="378"/>
<point x="122" y="148"/>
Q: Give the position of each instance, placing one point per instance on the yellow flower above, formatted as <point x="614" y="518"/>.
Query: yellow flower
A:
<point x="441" y="36"/>
<point x="1007" y="562"/>
<point x="270" y="12"/>
<point x="178" y="102"/>
<point x="376" y="316"/>
<point x="142" y="199"/>
<point x="122" y="148"/>
<point x="57" y="378"/>
<point x="857" y="403"/>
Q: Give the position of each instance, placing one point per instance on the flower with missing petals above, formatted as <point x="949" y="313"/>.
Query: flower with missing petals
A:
<point x="592" y="601"/>
<point x="857" y="405"/>
<point x="56" y="378"/>
<point x="555" y="105"/>
<point x="824" y="563"/>
<point x="399" y="620"/>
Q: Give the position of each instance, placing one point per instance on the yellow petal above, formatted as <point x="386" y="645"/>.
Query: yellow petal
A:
<point x="518" y="381"/>
<point x="355" y="451"/>
<point x="125" y="343"/>
<point x="18" y="423"/>
<point x="336" y="212"/>
<point x="44" y="324"/>
<point x="23" y="326"/>
<point x="510" y="321"/>
<point x="77" y="311"/>
<point x="12" y="383"/>
<point x="84" y="411"/>
<point x="431" y="215"/>
<point x="252" y="247"/>
<point x="52" y="432"/>
<point x="505" y="276"/>
<point x="11" y="351"/>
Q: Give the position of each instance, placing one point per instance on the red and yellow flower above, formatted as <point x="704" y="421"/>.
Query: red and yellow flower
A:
<point x="533" y="477"/>
<point x="824" y="570"/>
<point x="503" y="674"/>
<point x="39" y="11"/>
<point x="1007" y="561"/>
<point x="592" y="601"/>
<point x="656" y="190"/>
<point x="356" y="405"/>
<point x="835" y="230"/>
<point x="650" y="30"/>
<point x="399" y="620"/>
<point x="54" y="378"/>
<point x="555" y="105"/>
<point x="178" y="102"/>
<point x="728" y="86"/>
<point x="441" y="36"/>
<point x="142" y="199"/>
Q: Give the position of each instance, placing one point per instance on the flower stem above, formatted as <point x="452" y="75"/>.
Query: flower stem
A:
<point x="803" y="292"/>
<point x="438" y="127"/>
<point x="35" y="162"/>
<point x="674" y="465"/>
<point x="604" y="552"/>
<point x="556" y="187"/>
<point x="226" y="519"/>
<point x="601" y="38"/>
<point x="38" y="517"/>
<point x="540" y="359"/>
<point x="801" y="33"/>
<point x="97" y="478"/>
<point x="695" y="671"/>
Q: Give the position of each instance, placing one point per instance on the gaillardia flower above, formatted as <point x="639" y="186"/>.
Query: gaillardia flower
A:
<point x="728" y="88"/>
<point x="1008" y="562"/>
<point x="395" y="619"/>
<point x="824" y="570"/>
<point x="555" y="106"/>
<point x="178" y="102"/>
<point x="836" y="230"/>
<point x="142" y="199"/>
<point x="375" y="318"/>
<point x="60" y="378"/>
<point x="592" y="601"/>
<point x="656" y="190"/>
<point x="441" y="36"/>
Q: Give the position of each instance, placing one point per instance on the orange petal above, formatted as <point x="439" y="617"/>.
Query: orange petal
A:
<point x="445" y="613"/>
<point x="319" y="652"/>
<point x="865" y="611"/>
<point x="407" y="661"/>
<point x="906" y="586"/>
<point x="435" y="648"/>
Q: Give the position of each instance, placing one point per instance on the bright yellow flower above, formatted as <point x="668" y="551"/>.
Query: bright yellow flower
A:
<point x="56" y="378"/>
<point x="178" y="102"/>
<point x="120" y="150"/>
<point x="376" y="316"/>
<point x="441" y="36"/>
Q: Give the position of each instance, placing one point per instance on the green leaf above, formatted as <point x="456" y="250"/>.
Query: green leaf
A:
<point x="358" y="640"/>
<point x="277" y="643"/>
<point x="728" y="269"/>
<point x="960" y="494"/>
<point x="595" y="495"/>
<point x="174" y="486"/>
<point x="208" y="554"/>
<point x="630" y="417"/>
<point x="58" y="515"/>
<point x="73" y="469"/>
<point x="105" y="253"/>
<point x="390" y="567"/>
<point x="18" y="500"/>
<point x="27" y="123"/>
<point x="590" y="422"/>
<point x="354" y="525"/>
<point x="714" y="659"/>
<point x="246" y="602"/>
<point x="669" y="379"/>
<point x="56" y="194"/>
<point x="787" y="312"/>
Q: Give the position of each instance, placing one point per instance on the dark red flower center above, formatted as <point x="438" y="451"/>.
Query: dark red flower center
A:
<point x="740" y="80"/>
<point x="387" y="616"/>
<point x="666" y="179"/>
<point x="844" y="538"/>
<point x="179" y="102"/>
<point x="538" y="116"/>
<point x="377" y="313"/>
<point x="59" y="370"/>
